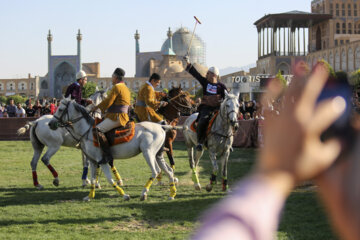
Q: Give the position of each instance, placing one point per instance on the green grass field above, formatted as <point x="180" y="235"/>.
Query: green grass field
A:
<point x="60" y="213"/>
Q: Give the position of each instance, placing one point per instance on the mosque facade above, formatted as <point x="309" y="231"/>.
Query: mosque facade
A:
<point x="167" y="62"/>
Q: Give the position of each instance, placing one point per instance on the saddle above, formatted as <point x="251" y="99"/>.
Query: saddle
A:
<point x="117" y="135"/>
<point x="194" y="124"/>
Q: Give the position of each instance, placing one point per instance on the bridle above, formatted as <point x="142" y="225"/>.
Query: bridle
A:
<point x="225" y="119"/>
<point x="177" y="104"/>
<point x="70" y="123"/>
<point x="228" y="113"/>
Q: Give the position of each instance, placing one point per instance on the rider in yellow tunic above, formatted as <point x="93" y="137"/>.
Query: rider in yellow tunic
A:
<point x="147" y="103"/>
<point x="147" y="100"/>
<point x="117" y="105"/>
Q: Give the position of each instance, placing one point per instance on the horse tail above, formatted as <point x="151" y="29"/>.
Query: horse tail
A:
<point x="33" y="137"/>
<point x="25" y="128"/>
<point x="169" y="127"/>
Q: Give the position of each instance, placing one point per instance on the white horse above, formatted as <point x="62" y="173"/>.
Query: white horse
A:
<point x="41" y="136"/>
<point x="219" y="140"/>
<point x="148" y="138"/>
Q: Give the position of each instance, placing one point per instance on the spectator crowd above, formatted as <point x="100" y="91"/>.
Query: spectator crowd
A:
<point x="28" y="109"/>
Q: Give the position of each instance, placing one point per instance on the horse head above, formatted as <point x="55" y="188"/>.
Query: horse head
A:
<point x="69" y="112"/>
<point x="229" y="109"/>
<point x="179" y="102"/>
<point x="97" y="97"/>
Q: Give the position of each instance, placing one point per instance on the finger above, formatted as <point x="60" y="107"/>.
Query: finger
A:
<point x="314" y="86"/>
<point x="326" y="113"/>
<point x="273" y="91"/>
<point x="301" y="70"/>
<point x="328" y="153"/>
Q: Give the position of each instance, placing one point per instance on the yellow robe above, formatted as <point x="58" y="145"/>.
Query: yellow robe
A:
<point x="119" y="95"/>
<point x="148" y="95"/>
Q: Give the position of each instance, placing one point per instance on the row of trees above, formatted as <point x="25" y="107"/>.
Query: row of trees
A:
<point x="17" y="99"/>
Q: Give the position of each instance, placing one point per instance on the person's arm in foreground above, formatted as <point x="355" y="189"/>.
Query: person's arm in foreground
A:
<point x="292" y="152"/>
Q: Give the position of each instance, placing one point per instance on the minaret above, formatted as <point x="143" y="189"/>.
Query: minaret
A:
<point x="49" y="38"/>
<point x="137" y="51"/>
<point x="170" y="34"/>
<point x="137" y="45"/>
<point x="169" y="51"/>
<point x="79" y="38"/>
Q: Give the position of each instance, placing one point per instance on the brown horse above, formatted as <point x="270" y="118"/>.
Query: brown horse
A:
<point x="179" y="103"/>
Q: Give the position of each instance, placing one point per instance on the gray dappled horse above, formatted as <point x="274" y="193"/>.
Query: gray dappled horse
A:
<point x="41" y="136"/>
<point x="148" y="138"/>
<point x="219" y="140"/>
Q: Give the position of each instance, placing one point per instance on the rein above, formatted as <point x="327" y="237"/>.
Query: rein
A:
<point x="224" y="119"/>
<point x="70" y="123"/>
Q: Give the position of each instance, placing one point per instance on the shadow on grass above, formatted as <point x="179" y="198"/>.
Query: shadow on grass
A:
<point x="169" y="211"/>
<point x="27" y="196"/>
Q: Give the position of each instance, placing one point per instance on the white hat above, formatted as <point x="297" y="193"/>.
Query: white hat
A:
<point x="214" y="70"/>
<point x="80" y="74"/>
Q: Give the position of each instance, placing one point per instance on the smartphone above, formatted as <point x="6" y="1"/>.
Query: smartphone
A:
<point x="341" y="128"/>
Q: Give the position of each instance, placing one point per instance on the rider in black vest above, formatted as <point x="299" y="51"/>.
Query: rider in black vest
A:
<point x="213" y="94"/>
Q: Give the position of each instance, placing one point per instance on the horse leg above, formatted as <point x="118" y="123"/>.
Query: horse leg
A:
<point x="212" y="156"/>
<point x="46" y="160"/>
<point x="106" y="169"/>
<point x="224" y="163"/>
<point x="170" y="136"/>
<point x="97" y="176"/>
<point x="33" y="164"/>
<point x="168" y="170"/>
<point x="198" y="155"/>
<point x="116" y="173"/>
<point x="84" y="178"/>
<point x="193" y="167"/>
<point x="159" y="176"/>
<point x="150" y="160"/>
<point x="93" y="169"/>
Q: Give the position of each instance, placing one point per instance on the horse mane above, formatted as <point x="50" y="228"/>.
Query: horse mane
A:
<point x="84" y="113"/>
<point x="173" y="90"/>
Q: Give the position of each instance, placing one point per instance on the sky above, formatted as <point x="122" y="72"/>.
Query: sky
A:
<point x="108" y="28"/>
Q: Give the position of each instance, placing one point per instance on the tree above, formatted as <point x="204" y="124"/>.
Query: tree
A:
<point x="355" y="79"/>
<point x="199" y="93"/>
<point x="132" y="96"/>
<point x="16" y="98"/>
<point x="331" y="70"/>
<point x="3" y="99"/>
<point x="88" y="89"/>
<point x="281" y="78"/>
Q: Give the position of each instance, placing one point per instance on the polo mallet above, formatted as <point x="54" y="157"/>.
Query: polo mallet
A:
<point x="192" y="36"/>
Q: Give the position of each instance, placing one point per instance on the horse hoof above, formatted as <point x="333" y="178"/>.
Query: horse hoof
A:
<point x="126" y="197"/>
<point x="39" y="187"/>
<point x="143" y="197"/>
<point x="86" y="199"/>
<point x="120" y="183"/>
<point x="98" y="186"/>
<point x="209" y="187"/>
<point x="197" y="186"/>
<point x="56" y="182"/>
<point x="171" y="198"/>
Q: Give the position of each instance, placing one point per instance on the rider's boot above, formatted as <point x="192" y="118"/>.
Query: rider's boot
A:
<point x="105" y="147"/>
<point x="201" y="133"/>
